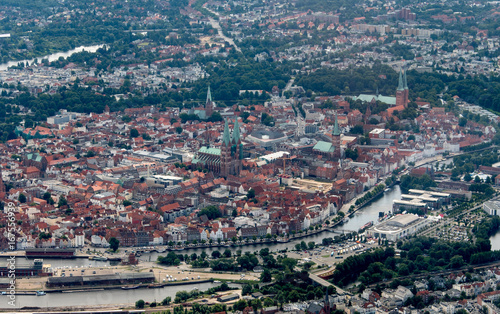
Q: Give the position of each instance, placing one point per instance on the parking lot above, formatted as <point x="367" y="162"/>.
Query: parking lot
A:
<point x="332" y="254"/>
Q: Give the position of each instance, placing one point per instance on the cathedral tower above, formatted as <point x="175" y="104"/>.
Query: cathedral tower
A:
<point x="400" y="92"/>
<point x="336" y="138"/>
<point x="406" y="90"/>
<point x="209" y="105"/>
<point x="237" y="155"/>
<point x="225" y="153"/>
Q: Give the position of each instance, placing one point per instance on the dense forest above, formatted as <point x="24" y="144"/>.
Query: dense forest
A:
<point x="480" y="90"/>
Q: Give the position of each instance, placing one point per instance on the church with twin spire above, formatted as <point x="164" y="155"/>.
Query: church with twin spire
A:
<point x="226" y="160"/>
<point x="401" y="99"/>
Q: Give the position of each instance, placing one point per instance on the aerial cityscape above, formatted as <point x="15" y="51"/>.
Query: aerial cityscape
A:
<point x="250" y="156"/>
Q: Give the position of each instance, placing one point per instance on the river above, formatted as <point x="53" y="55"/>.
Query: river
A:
<point x="495" y="242"/>
<point x="370" y="212"/>
<point x="103" y="297"/>
<point x="118" y="296"/>
<point x="52" y="57"/>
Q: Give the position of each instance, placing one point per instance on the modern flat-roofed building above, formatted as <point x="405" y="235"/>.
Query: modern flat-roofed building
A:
<point x="402" y="205"/>
<point x="492" y="208"/>
<point x="442" y="198"/>
<point x="398" y="227"/>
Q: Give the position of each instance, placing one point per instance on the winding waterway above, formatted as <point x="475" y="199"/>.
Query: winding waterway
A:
<point x="52" y="57"/>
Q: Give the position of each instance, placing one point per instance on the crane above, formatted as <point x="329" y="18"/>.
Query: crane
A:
<point x="285" y="158"/>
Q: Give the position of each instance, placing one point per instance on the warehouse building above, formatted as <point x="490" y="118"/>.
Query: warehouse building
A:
<point x="101" y="280"/>
<point x="228" y="297"/>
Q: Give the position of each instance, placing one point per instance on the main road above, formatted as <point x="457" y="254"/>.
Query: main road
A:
<point x="215" y="24"/>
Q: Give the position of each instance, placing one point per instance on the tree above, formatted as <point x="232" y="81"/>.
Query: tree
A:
<point x="134" y="133"/>
<point x="267" y="119"/>
<point x="467" y="177"/>
<point x="303" y="245"/>
<point x="247" y="289"/>
<point x="178" y="130"/>
<point x="251" y="193"/>
<point x="311" y="245"/>
<point x="171" y="259"/>
<point x="166" y="301"/>
<point x="139" y="304"/>
<point x="265" y="276"/>
<point x="357" y="129"/>
<point x="240" y="305"/>
<point x="22" y="198"/>
<point x="216" y="254"/>
<point x="211" y="211"/>
<point x="256" y="304"/>
<point x="351" y="153"/>
<point x="457" y="261"/>
<point x="227" y="253"/>
<point x="62" y="201"/>
<point x="47" y="196"/>
<point x="114" y="243"/>
<point x="203" y="255"/>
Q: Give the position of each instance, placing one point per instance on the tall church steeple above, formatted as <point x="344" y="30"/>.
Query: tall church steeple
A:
<point x="407" y="91"/>
<point x="209" y="95"/>
<point x="336" y="138"/>
<point x="326" y="301"/>
<point x="405" y="83"/>
<point x="336" y="131"/>
<point x="226" y="138"/>
<point x="401" y="92"/>
<point x="209" y="104"/>
<point x="236" y="132"/>
<point x="400" y="84"/>
<point x="231" y="151"/>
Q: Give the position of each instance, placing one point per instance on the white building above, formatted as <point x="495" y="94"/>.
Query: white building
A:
<point x="492" y="208"/>
<point x="398" y="227"/>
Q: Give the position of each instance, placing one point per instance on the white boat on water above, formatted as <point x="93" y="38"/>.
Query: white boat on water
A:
<point x="40" y="293"/>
